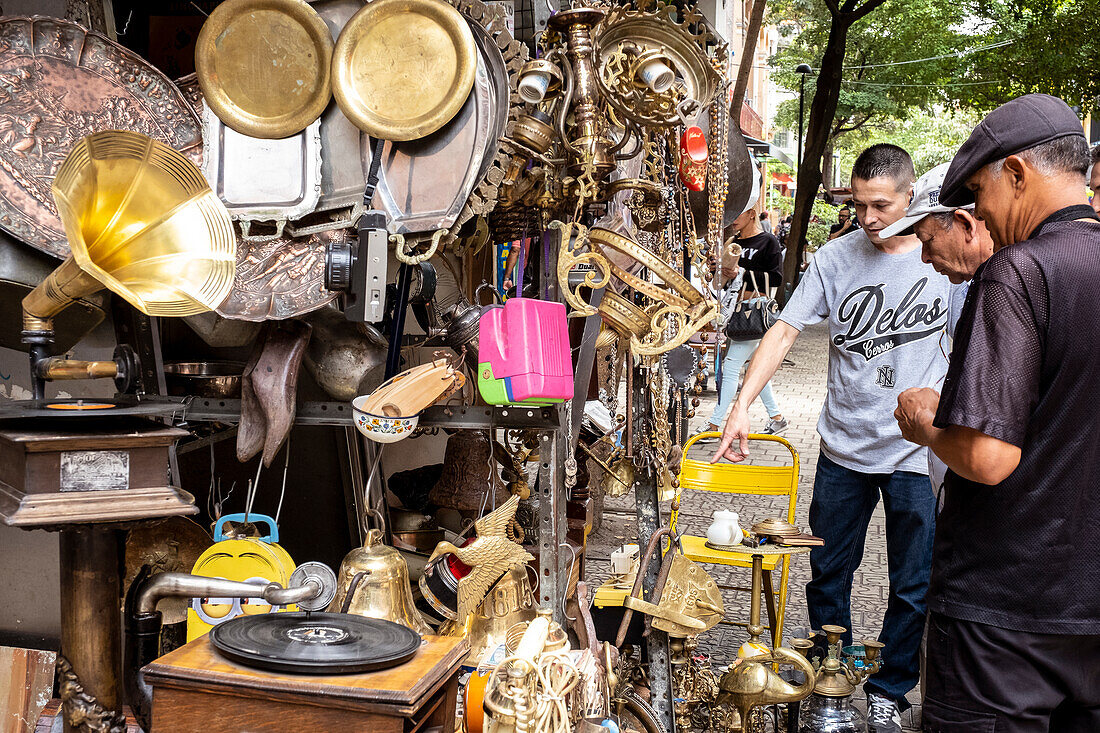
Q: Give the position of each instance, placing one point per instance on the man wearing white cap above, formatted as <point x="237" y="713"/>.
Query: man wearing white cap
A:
<point x="953" y="240"/>
<point x="955" y="243"/>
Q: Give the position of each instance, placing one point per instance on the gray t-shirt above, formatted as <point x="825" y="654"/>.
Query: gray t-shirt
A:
<point x="886" y="315"/>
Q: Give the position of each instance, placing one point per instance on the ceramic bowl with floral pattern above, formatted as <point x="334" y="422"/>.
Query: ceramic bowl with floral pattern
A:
<point x="380" y="428"/>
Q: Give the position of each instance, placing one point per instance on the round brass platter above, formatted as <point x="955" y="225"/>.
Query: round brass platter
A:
<point x="403" y="68"/>
<point x="264" y="66"/>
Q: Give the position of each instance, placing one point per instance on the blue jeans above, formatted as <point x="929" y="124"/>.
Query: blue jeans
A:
<point x="737" y="353"/>
<point x="840" y="511"/>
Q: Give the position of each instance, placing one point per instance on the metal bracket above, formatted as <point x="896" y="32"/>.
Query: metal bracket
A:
<point x="649" y="520"/>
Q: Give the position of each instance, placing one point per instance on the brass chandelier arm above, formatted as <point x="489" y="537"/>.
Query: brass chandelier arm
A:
<point x="566" y="102"/>
<point x="54" y="294"/>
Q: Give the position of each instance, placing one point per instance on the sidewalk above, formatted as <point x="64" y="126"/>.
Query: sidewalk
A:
<point x="800" y="392"/>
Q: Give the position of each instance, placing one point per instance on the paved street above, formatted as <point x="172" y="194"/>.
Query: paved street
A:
<point x="800" y="392"/>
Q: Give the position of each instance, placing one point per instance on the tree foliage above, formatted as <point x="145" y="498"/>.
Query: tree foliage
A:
<point x="871" y="91"/>
<point x="1055" y="47"/>
<point x="930" y="137"/>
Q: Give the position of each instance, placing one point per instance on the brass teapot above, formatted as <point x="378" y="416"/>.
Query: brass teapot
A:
<point x="374" y="581"/>
<point x="753" y="682"/>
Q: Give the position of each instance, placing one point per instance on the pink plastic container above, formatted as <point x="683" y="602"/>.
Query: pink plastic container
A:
<point x="524" y="347"/>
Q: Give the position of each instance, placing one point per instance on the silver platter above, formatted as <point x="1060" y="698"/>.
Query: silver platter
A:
<point x="423" y="184"/>
<point x="262" y="180"/>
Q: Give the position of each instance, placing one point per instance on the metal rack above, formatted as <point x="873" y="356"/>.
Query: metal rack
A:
<point x="554" y="565"/>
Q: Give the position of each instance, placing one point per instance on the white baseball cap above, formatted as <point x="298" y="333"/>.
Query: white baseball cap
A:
<point x="926" y="200"/>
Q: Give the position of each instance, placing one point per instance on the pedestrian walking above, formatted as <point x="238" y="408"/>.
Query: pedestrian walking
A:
<point x="760" y="267"/>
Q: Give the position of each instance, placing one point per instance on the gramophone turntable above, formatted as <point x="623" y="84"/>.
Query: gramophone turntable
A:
<point x="315" y="643"/>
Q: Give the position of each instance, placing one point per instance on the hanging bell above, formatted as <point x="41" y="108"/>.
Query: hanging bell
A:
<point x="374" y="582"/>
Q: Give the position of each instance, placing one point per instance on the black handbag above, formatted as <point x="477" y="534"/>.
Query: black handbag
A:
<point x="750" y="320"/>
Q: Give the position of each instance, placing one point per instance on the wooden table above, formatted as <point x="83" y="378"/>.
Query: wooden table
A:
<point x="195" y="689"/>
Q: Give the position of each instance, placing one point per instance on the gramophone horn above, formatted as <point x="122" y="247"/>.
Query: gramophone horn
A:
<point x="141" y="221"/>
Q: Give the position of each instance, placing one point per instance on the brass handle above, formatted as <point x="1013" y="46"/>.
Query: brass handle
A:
<point x="783" y="655"/>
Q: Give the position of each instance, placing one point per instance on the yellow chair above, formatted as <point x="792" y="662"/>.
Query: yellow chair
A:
<point x="737" y="478"/>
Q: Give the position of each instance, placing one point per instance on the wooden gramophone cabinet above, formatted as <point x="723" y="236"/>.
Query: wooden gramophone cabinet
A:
<point x="88" y="479"/>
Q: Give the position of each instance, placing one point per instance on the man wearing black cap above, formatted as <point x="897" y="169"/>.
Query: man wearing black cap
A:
<point x="1014" y="599"/>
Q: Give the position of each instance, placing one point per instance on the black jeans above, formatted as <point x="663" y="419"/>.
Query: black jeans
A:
<point x="840" y="511"/>
<point x="985" y="679"/>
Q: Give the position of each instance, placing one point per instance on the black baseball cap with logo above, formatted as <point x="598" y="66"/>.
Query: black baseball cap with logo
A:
<point x="1016" y="126"/>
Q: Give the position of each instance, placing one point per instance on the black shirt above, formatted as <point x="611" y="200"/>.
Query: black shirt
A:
<point x="762" y="254"/>
<point x="1025" y="369"/>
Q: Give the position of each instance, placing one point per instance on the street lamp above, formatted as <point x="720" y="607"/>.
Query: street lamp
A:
<point x="802" y="69"/>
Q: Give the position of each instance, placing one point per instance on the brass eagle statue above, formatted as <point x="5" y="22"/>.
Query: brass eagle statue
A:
<point x="490" y="556"/>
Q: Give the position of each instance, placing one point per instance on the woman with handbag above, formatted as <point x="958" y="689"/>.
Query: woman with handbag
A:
<point x="749" y="263"/>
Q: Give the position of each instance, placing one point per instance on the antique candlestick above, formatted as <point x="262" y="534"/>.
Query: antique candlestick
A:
<point x="588" y="145"/>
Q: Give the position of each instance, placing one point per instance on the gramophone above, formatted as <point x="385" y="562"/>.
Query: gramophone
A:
<point x="142" y="222"/>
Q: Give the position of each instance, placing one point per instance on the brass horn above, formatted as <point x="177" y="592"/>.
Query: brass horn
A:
<point x="141" y="221"/>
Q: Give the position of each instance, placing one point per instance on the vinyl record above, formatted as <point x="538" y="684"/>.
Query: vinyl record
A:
<point x="318" y="643"/>
<point x="90" y="407"/>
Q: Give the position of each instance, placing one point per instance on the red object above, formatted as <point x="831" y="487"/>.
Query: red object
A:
<point x="458" y="568"/>
<point x="693" y="158"/>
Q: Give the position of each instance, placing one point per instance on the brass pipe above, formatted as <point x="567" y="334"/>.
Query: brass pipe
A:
<point x="64" y="285"/>
<point x="755" y="628"/>
<point x="91" y="636"/>
<point x="56" y="368"/>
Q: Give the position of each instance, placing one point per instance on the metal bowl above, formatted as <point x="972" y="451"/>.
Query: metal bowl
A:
<point x="204" y="378"/>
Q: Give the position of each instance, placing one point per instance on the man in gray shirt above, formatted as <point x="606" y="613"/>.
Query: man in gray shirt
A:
<point x="886" y="310"/>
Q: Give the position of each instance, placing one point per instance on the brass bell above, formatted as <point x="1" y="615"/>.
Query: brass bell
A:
<point x="374" y="582"/>
<point x="510" y="602"/>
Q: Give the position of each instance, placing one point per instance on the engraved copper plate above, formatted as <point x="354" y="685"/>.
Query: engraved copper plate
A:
<point x="189" y="88"/>
<point x="280" y="278"/>
<point x="59" y="83"/>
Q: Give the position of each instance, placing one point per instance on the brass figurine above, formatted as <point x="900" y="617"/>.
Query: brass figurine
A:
<point x="490" y="556"/>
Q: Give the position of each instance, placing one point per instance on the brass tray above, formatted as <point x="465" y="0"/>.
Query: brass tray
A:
<point x="424" y="184"/>
<point x="59" y="83"/>
<point x="264" y="65"/>
<point x="402" y="69"/>
<point x="280" y="278"/>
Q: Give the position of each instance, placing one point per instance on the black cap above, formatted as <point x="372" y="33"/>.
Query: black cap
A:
<point x="1023" y="123"/>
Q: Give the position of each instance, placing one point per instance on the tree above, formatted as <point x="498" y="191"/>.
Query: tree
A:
<point x="842" y="14"/>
